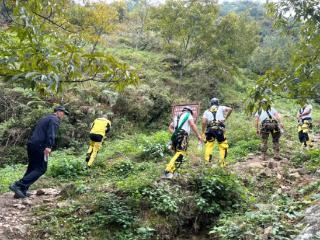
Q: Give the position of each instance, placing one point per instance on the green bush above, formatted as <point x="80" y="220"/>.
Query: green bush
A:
<point x="252" y="224"/>
<point x="218" y="191"/>
<point x="154" y="147"/>
<point x="13" y="155"/>
<point x="310" y="159"/>
<point x="238" y="127"/>
<point x="66" y="166"/>
<point x="163" y="199"/>
<point x="122" y="168"/>
<point x="314" y="162"/>
<point x="144" y="105"/>
<point x="110" y="209"/>
<point x="10" y="174"/>
<point x="145" y="174"/>
<point x="244" y="147"/>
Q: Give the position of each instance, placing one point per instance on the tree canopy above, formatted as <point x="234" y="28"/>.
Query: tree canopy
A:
<point x="48" y="44"/>
<point x="301" y="79"/>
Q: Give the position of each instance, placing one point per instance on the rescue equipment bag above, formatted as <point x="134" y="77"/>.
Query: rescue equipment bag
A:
<point x="178" y="128"/>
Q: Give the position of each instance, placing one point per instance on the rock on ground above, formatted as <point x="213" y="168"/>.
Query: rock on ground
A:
<point x="312" y="222"/>
<point x="16" y="214"/>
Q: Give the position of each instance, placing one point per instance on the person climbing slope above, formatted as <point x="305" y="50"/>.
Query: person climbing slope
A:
<point x="304" y="117"/>
<point x="268" y="121"/>
<point x="99" y="128"/>
<point x="180" y="129"/>
<point x="213" y="128"/>
<point x="39" y="147"/>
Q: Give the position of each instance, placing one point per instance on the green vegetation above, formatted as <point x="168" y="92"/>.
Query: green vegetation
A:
<point x="9" y="174"/>
<point x="119" y="188"/>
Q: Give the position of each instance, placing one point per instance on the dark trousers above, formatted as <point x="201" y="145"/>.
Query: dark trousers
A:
<point x="36" y="167"/>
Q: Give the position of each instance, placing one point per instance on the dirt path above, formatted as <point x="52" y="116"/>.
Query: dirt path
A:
<point x="16" y="214"/>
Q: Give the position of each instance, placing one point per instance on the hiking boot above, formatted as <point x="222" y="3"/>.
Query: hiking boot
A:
<point x="222" y="163"/>
<point x="176" y="174"/>
<point x="17" y="190"/>
<point x="168" y="175"/>
<point x="87" y="157"/>
<point x="26" y="194"/>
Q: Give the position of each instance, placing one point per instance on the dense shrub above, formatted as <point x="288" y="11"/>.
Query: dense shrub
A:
<point x="9" y="174"/>
<point x="310" y="159"/>
<point x="271" y="221"/>
<point x="154" y="148"/>
<point x="66" y="166"/>
<point x="244" y="147"/>
<point x="110" y="209"/>
<point x="122" y="168"/>
<point x="163" y="198"/>
<point x="145" y="174"/>
<point x="20" y="109"/>
<point x="14" y="154"/>
<point x="218" y="191"/>
<point x="144" y="105"/>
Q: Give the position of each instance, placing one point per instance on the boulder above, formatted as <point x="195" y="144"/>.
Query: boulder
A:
<point x="311" y="221"/>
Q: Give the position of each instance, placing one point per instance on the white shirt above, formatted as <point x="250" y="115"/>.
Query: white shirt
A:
<point x="264" y="115"/>
<point x="219" y="114"/>
<point x="306" y="109"/>
<point x="186" y="125"/>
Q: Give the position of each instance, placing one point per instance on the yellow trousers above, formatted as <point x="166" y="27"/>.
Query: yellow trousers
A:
<point x="304" y="131"/>
<point x="93" y="150"/>
<point x="223" y="149"/>
<point x="175" y="161"/>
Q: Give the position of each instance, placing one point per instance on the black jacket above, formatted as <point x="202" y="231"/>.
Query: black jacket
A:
<point x="44" y="135"/>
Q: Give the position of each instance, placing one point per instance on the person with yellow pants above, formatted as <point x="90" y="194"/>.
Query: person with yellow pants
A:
<point x="99" y="128"/>
<point x="180" y="129"/>
<point x="213" y="129"/>
<point x="304" y="117"/>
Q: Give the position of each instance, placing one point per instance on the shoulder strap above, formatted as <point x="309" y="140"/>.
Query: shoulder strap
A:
<point x="214" y="114"/>
<point x="178" y="119"/>
<point x="183" y="121"/>
<point x="270" y="117"/>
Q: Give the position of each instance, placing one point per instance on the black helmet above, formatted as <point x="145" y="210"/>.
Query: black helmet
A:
<point x="187" y="108"/>
<point x="61" y="109"/>
<point x="214" y="101"/>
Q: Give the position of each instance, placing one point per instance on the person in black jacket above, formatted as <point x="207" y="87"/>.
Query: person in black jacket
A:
<point x="39" y="148"/>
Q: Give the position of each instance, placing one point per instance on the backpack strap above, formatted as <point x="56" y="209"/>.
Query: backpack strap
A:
<point x="270" y="117"/>
<point x="178" y="119"/>
<point x="214" y="114"/>
<point x="182" y="123"/>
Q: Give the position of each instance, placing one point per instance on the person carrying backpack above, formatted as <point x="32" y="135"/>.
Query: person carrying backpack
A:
<point x="304" y="117"/>
<point x="268" y="121"/>
<point x="213" y="128"/>
<point x="180" y="129"/>
<point x="99" y="128"/>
